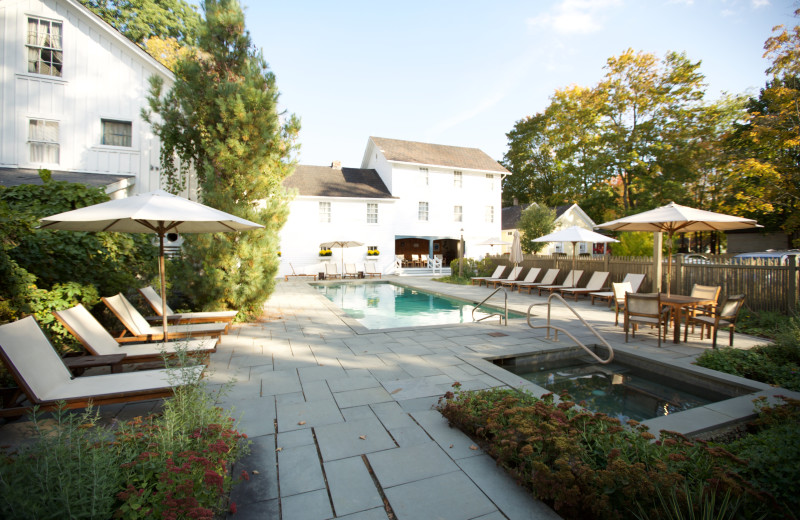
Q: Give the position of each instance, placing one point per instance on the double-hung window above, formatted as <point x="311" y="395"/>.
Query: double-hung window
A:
<point x="457" y="179"/>
<point x="489" y="214"/>
<point x="458" y="212"/>
<point x="117" y="133"/>
<point x="44" y="44"/>
<point x="490" y="181"/>
<point x="372" y="213"/>
<point x="43" y="144"/>
<point x="423" y="211"/>
<point x="424" y="175"/>
<point x="324" y="211"/>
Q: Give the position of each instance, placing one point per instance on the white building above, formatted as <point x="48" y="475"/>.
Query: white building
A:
<point x="567" y="215"/>
<point x="407" y="198"/>
<point x="72" y="92"/>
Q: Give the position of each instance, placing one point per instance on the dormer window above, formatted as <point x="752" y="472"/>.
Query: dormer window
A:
<point x="44" y="44"/>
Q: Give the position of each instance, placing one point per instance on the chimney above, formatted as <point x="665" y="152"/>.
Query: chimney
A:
<point x="336" y="165"/>
<point x="516" y="202"/>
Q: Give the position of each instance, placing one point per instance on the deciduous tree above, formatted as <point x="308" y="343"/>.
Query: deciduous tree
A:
<point x="537" y="220"/>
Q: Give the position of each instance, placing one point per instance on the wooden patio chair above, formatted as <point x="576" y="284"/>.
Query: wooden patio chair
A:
<point x="533" y="272"/>
<point x="634" y="279"/>
<point x="595" y="283"/>
<point x="645" y="309"/>
<point x="350" y="271"/>
<point x="152" y="297"/>
<point x="620" y="290"/>
<point x="141" y="330"/>
<point x="723" y="316"/>
<point x="44" y="381"/>
<point x="512" y="277"/>
<point x="498" y="272"/>
<point x="548" y="279"/>
<point x="371" y="270"/>
<point x="332" y="270"/>
<point x="99" y="342"/>
<point x="572" y="279"/>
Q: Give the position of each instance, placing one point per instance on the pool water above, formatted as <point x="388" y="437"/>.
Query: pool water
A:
<point x="384" y="305"/>
<point x="618" y="390"/>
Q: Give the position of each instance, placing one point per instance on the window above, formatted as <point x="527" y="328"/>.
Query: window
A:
<point x="45" y="54"/>
<point x="490" y="214"/>
<point x="559" y="247"/>
<point x="372" y="213"/>
<point x="457" y="213"/>
<point x="324" y="211"/>
<point x="43" y="141"/>
<point x="423" y="211"/>
<point x="116" y="133"/>
<point x="424" y="174"/>
<point x="490" y="180"/>
<point x="582" y="248"/>
<point x="457" y="179"/>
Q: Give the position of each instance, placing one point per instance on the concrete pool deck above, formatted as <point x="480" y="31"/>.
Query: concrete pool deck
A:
<point x="341" y="418"/>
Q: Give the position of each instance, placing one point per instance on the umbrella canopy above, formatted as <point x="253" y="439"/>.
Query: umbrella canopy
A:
<point x="574" y="235"/>
<point x="674" y="218"/>
<point x="342" y="244"/>
<point x="494" y="242"/>
<point x="156" y="212"/>
<point x="515" y="256"/>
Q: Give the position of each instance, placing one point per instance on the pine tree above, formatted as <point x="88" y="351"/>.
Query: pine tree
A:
<point x="221" y="118"/>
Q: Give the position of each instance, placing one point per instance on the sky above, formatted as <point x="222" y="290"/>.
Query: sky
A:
<point x="461" y="73"/>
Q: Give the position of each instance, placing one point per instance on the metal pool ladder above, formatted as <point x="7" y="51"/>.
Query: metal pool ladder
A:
<point x="559" y="329"/>
<point x="505" y="307"/>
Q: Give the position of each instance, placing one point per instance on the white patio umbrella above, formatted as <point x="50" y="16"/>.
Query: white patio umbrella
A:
<point x="494" y="241"/>
<point x="574" y="235"/>
<point x="156" y="212"/>
<point x="515" y="257"/>
<point x="674" y="218"/>
<point x="342" y="244"/>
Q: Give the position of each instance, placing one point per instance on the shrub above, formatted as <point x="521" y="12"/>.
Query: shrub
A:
<point x="588" y="465"/>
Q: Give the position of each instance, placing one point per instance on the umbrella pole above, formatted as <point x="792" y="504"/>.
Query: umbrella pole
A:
<point x="162" y="273"/>
<point x="669" y="263"/>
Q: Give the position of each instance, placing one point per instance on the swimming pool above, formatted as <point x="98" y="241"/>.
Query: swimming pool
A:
<point x="385" y="305"/>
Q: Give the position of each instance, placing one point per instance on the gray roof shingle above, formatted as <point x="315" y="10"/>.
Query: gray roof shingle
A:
<point x="324" y="181"/>
<point x="512" y="214"/>
<point x="437" y="154"/>
<point x="19" y="176"/>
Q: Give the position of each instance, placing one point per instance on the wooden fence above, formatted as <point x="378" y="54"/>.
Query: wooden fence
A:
<point x="767" y="285"/>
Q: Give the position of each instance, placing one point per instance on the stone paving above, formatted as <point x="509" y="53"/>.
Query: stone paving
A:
<point x="341" y="419"/>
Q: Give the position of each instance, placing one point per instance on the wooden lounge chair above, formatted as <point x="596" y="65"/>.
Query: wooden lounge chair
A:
<point x="44" y="380"/>
<point x="548" y="279"/>
<point x="350" y="271"/>
<point x="723" y="316"/>
<point x="512" y="277"/>
<point x="141" y="330"/>
<point x="595" y="283"/>
<point x="99" y="342"/>
<point x="646" y="309"/>
<point x="572" y="279"/>
<point x="371" y="270"/>
<point x="332" y="271"/>
<point x="498" y="272"/>
<point x="154" y="300"/>
<point x="634" y="279"/>
<point x="533" y="272"/>
<point x="620" y="290"/>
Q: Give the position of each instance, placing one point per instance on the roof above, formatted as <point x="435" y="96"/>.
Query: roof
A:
<point x="18" y="176"/>
<point x="437" y="155"/>
<point x="324" y="181"/>
<point x="512" y="214"/>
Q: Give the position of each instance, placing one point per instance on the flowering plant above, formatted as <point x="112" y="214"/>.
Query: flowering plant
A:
<point x="325" y="252"/>
<point x="373" y="252"/>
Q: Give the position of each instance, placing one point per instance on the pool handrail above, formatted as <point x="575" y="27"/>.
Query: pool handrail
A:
<point x="573" y="338"/>
<point x="505" y="307"/>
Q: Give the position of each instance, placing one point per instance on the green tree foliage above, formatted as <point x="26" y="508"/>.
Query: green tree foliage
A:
<point x="221" y="118"/>
<point x="536" y="220"/>
<point x="139" y="20"/>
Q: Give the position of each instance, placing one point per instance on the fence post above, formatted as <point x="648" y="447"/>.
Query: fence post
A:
<point x="792" y="293"/>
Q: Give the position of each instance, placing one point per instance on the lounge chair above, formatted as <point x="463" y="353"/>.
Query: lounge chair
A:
<point x="620" y="290"/>
<point x="371" y="270"/>
<point x="498" y="272"/>
<point x="350" y="271"/>
<point x="154" y="299"/>
<point x="548" y="279"/>
<point x="533" y="272"/>
<point x="646" y="309"/>
<point x="634" y="279"/>
<point x="332" y="271"/>
<point x="723" y="316"/>
<point x="595" y="283"/>
<point x="45" y="381"/>
<point x="571" y="280"/>
<point x="512" y="277"/>
<point x="141" y="330"/>
<point x="99" y="342"/>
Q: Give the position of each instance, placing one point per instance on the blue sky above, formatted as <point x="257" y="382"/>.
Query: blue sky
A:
<point x="463" y="72"/>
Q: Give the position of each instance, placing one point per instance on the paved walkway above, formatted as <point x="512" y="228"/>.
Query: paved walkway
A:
<point x="341" y="420"/>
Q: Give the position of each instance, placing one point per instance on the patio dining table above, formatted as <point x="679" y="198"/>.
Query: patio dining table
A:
<point x="679" y="302"/>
